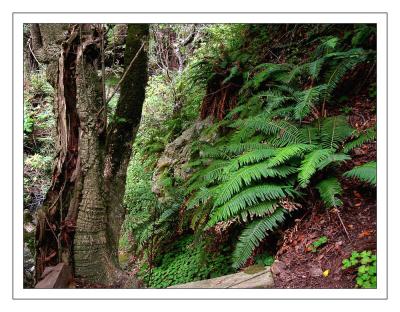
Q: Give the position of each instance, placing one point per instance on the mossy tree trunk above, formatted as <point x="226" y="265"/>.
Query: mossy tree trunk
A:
<point x="81" y="218"/>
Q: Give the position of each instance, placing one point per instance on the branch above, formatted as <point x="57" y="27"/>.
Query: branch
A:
<point x="33" y="54"/>
<point x="124" y="75"/>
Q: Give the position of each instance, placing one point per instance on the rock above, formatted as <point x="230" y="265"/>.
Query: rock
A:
<point x="177" y="154"/>
<point x="277" y="267"/>
<point x="315" y="271"/>
<point x="29" y="267"/>
<point x="29" y="227"/>
<point x="59" y="276"/>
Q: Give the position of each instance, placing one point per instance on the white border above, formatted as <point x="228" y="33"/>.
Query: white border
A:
<point x="379" y="293"/>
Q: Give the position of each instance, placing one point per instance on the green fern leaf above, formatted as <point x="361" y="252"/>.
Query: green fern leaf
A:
<point x="246" y="198"/>
<point x="338" y="157"/>
<point x="365" y="173"/>
<point x="285" y="153"/>
<point x="200" y="197"/>
<point x="306" y="99"/>
<point x="347" y="61"/>
<point x="255" y="233"/>
<point x="255" y="156"/>
<point x="334" y="131"/>
<point x="248" y="175"/>
<point x="314" y="68"/>
<point x="368" y="136"/>
<point x="260" y="210"/>
<point x="282" y="131"/>
<point x="310" y="164"/>
<point x="329" y="189"/>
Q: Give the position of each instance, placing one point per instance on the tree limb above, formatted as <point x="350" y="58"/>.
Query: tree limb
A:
<point x="124" y="75"/>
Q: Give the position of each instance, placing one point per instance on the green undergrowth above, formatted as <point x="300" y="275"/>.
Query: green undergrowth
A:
<point x="365" y="264"/>
<point x="186" y="261"/>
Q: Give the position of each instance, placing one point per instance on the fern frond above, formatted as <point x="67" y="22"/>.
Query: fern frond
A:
<point x="270" y="71"/>
<point x="199" y="217"/>
<point x="255" y="233"/>
<point x="206" y="176"/>
<point x="246" y="176"/>
<point x="284" y="112"/>
<point x="368" y="136"/>
<point x="328" y="190"/>
<point x="306" y="99"/>
<point x="327" y="45"/>
<point x="285" y="133"/>
<point x="310" y="134"/>
<point x="261" y="210"/>
<point x="347" y="61"/>
<point x="248" y="197"/>
<point x="338" y="157"/>
<point x="167" y="215"/>
<point x="314" y="68"/>
<point x="238" y="148"/>
<point x="334" y="131"/>
<point x="200" y="197"/>
<point x="274" y="99"/>
<point x="365" y="173"/>
<point x="285" y="153"/>
<point x="310" y="164"/>
<point x="254" y="156"/>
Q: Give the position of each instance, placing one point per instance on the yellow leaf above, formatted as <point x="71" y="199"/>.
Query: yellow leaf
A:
<point x="326" y="273"/>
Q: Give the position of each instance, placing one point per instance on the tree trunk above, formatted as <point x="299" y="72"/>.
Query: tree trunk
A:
<point x="81" y="218"/>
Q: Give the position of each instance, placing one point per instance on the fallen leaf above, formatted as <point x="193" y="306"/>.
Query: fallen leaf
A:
<point x="365" y="233"/>
<point x="326" y="273"/>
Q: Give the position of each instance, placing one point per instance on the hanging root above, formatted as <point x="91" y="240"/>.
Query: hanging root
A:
<point x="220" y="98"/>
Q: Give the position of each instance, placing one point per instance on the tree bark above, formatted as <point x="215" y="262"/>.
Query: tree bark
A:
<point x="81" y="218"/>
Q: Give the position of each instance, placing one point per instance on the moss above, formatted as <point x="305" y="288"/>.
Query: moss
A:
<point x="253" y="269"/>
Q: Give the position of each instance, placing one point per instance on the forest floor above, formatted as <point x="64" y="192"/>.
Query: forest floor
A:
<point x="296" y="265"/>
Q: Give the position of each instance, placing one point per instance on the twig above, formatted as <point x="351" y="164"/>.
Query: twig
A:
<point x="341" y="221"/>
<point x="51" y="229"/>
<point x="124" y="75"/>
<point x="30" y="49"/>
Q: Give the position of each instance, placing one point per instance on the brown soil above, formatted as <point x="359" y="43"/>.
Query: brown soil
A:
<point x="300" y="268"/>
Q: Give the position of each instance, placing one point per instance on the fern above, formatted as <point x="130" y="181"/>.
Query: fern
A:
<point x="326" y="46"/>
<point x="254" y="156"/>
<point x="282" y="131"/>
<point x="260" y="210"/>
<point x="365" y="173"/>
<point x="270" y="71"/>
<point x="265" y="154"/>
<point x="310" y="165"/>
<point x="314" y="68"/>
<point x="207" y="176"/>
<point x="285" y="153"/>
<point x="338" y="157"/>
<point x="368" y="136"/>
<point x="334" y="131"/>
<point x="248" y="197"/>
<point x="248" y="175"/>
<point x="347" y="61"/>
<point x="328" y="190"/>
<point x="255" y="233"/>
<point x="201" y="197"/>
<point x="306" y="100"/>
